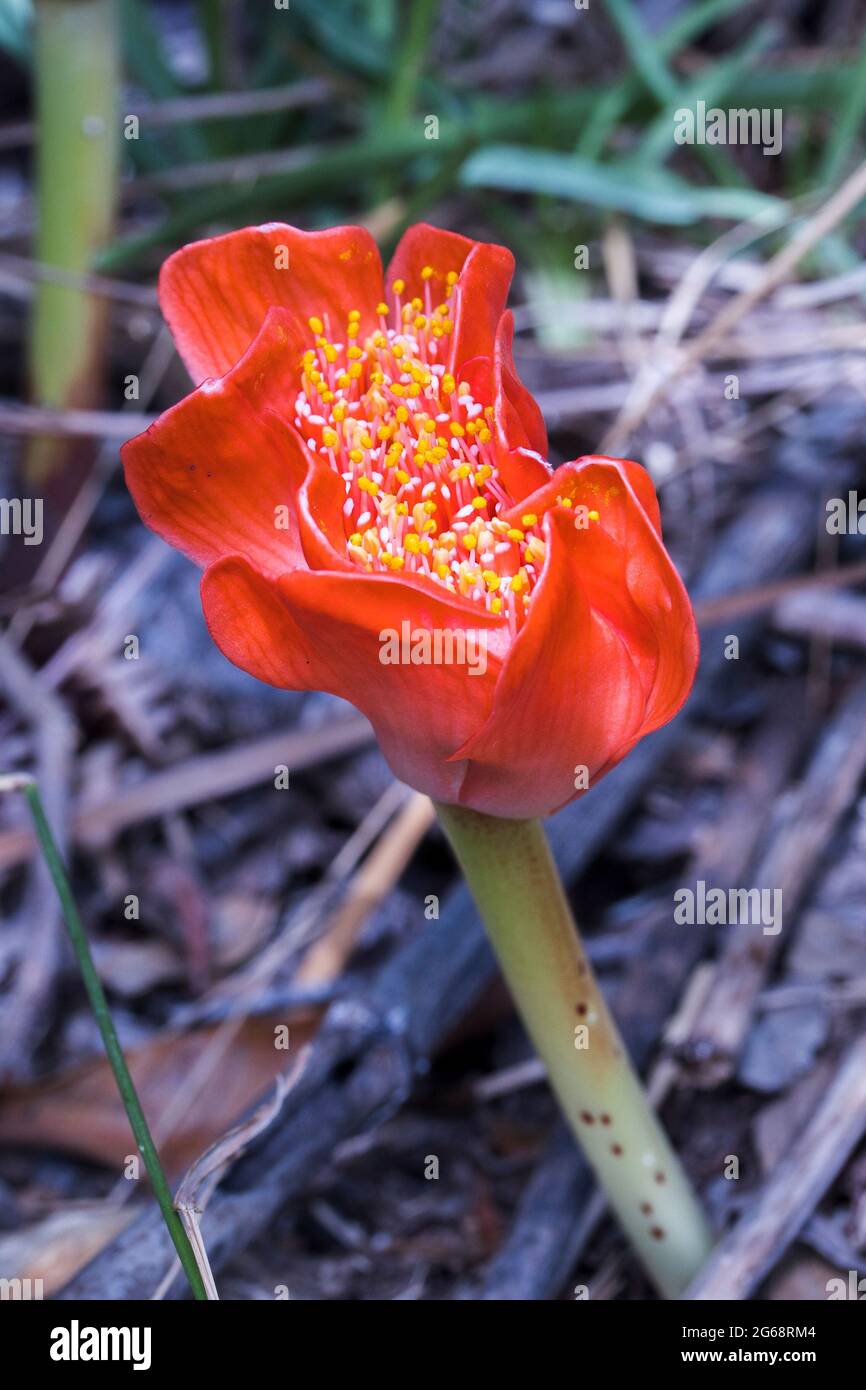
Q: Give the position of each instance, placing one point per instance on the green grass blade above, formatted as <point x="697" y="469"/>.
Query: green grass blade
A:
<point x="114" y="1051"/>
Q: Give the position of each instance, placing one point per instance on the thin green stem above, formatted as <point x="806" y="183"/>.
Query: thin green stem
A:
<point x="511" y="874"/>
<point x="117" y="1061"/>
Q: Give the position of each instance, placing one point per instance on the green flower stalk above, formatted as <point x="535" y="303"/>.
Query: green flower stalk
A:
<point x="512" y="876"/>
<point x="77" y="74"/>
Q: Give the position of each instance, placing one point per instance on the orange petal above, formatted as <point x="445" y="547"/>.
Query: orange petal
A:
<point x="422" y="245"/>
<point x="518" y="416"/>
<point x="325" y="631"/>
<point x="479" y="303"/>
<point x="626" y="570"/>
<point x="211" y="472"/>
<point x="587" y="480"/>
<point x="478" y="300"/>
<point x="215" y="294"/>
<point x="607" y="654"/>
<point x="521" y="471"/>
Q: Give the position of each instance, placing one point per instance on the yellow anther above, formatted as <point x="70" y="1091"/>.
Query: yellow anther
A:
<point x="452" y="277"/>
<point x="448" y="383"/>
<point x="593" y="516"/>
<point x="496" y="605"/>
<point x="354" y="315"/>
<point x="469" y="541"/>
<point x="353" y="330"/>
<point x="530" y="519"/>
<point x="357" y="456"/>
<point x="398" y="286"/>
<point x="402" y="414"/>
<point x="355" y="538"/>
<point x="457" y="429"/>
<point x="491" y="579"/>
<point x="355" y="370"/>
<point x="316" y="324"/>
<point x="339" y="412"/>
<point x="402" y="477"/>
<point x="397" y="388"/>
<point x="479" y="502"/>
<point x="382" y="309"/>
<point x="412" y="543"/>
<point x="329" y="437"/>
<point x="354" y="353"/>
<point x="514" y="533"/>
<point x="427" y="272"/>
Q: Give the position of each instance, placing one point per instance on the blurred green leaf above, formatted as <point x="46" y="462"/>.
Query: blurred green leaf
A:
<point x="711" y="86"/>
<point x="652" y="194"/>
<point x="16" y="28"/>
<point x="145" y="60"/>
<point x="643" y="51"/>
<point x="615" y="101"/>
<point x="846" y="127"/>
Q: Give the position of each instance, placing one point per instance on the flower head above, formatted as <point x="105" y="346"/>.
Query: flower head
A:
<point x="361" y="461"/>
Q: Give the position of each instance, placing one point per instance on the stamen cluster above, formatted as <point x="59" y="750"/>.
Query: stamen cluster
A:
<point x="416" y="452"/>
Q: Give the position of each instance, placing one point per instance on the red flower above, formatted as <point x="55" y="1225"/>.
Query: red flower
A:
<point x="365" y="480"/>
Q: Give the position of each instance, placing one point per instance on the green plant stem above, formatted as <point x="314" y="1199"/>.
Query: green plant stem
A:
<point x="77" y="75"/>
<point x="116" y="1059"/>
<point x="511" y="874"/>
